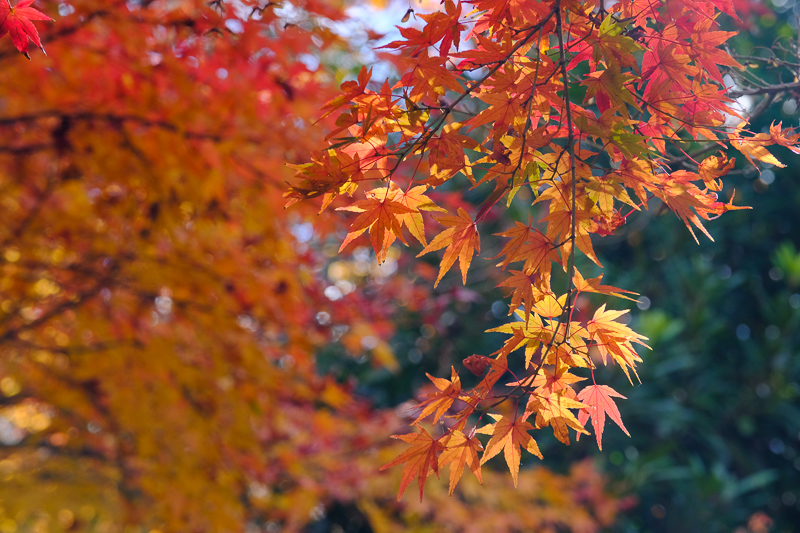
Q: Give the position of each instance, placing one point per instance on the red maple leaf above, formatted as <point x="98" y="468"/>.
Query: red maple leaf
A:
<point x="17" y="22"/>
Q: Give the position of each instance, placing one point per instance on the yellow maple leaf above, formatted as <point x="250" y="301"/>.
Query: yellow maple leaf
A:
<point x="509" y="436"/>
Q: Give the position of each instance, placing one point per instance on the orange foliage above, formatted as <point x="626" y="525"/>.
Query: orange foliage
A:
<point x="589" y="105"/>
<point x="161" y="314"/>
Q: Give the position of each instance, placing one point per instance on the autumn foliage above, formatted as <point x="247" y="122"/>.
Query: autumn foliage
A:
<point x="162" y="316"/>
<point x="596" y="113"/>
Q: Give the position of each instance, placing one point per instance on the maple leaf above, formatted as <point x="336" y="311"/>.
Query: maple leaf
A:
<point x="554" y="409"/>
<point x="686" y="200"/>
<point x="372" y="154"/>
<point x="784" y="137"/>
<point x="604" y="192"/>
<point x="350" y="89"/>
<point x="430" y="78"/>
<point x="461" y="451"/>
<point x="560" y="224"/>
<point x="441" y="401"/>
<point x="446" y="155"/>
<point x="532" y="333"/>
<point x="550" y="306"/>
<point x="330" y="174"/>
<point x="381" y="215"/>
<point x="16" y="21"/>
<point x="420" y="459"/>
<point x="509" y="436"/>
<point x="712" y="168"/>
<point x="439" y="27"/>
<point x="613" y="45"/>
<point x="754" y="147"/>
<point x="416" y="200"/>
<point x="519" y="235"/>
<point x="705" y="49"/>
<point x="502" y="110"/>
<point x="529" y="245"/>
<point x="461" y="239"/>
<point x="390" y="209"/>
<point x="525" y="293"/>
<point x="598" y="399"/>
<point x="615" y="339"/>
<point x="610" y="85"/>
<point x="594" y="285"/>
<point x="668" y="61"/>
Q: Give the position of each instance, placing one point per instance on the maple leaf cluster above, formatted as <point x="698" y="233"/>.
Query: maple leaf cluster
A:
<point x="162" y="317"/>
<point x="582" y="107"/>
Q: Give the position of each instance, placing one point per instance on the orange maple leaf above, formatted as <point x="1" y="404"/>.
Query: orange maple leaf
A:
<point x="461" y="451"/>
<point x="594" y="285"/>
<point x="754" y="147"/>
<point x="415" y="200"/>
<point x="560" y="225"/>
<point x="706" y="49"/>
<point x="615" y="339"/>
<point x="525" y="294"/>
<point x="668" y="60"/>
<point x="381" y="215"/>
<point x="420" y="459"/>
<point x="531" y="333"/>
<point x="788" y="137"/>
<point x="16" y="21"/>
<point x="441" y="401"/>
<point x="712" y="168"/>
<point x="610" y="86"/>
<point x="446" y="156"/>
<point x="330" y="174"/>
<point x="554" y="410"/>
<point x="529" y="245"/>
<point x="685" y="199"/>
<point x="550" y="306"/>
<point x="350" y="90"/>
<point x="509" y="436"/>
<point x="599" y="402"/>
<point x="461" y="239"/>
